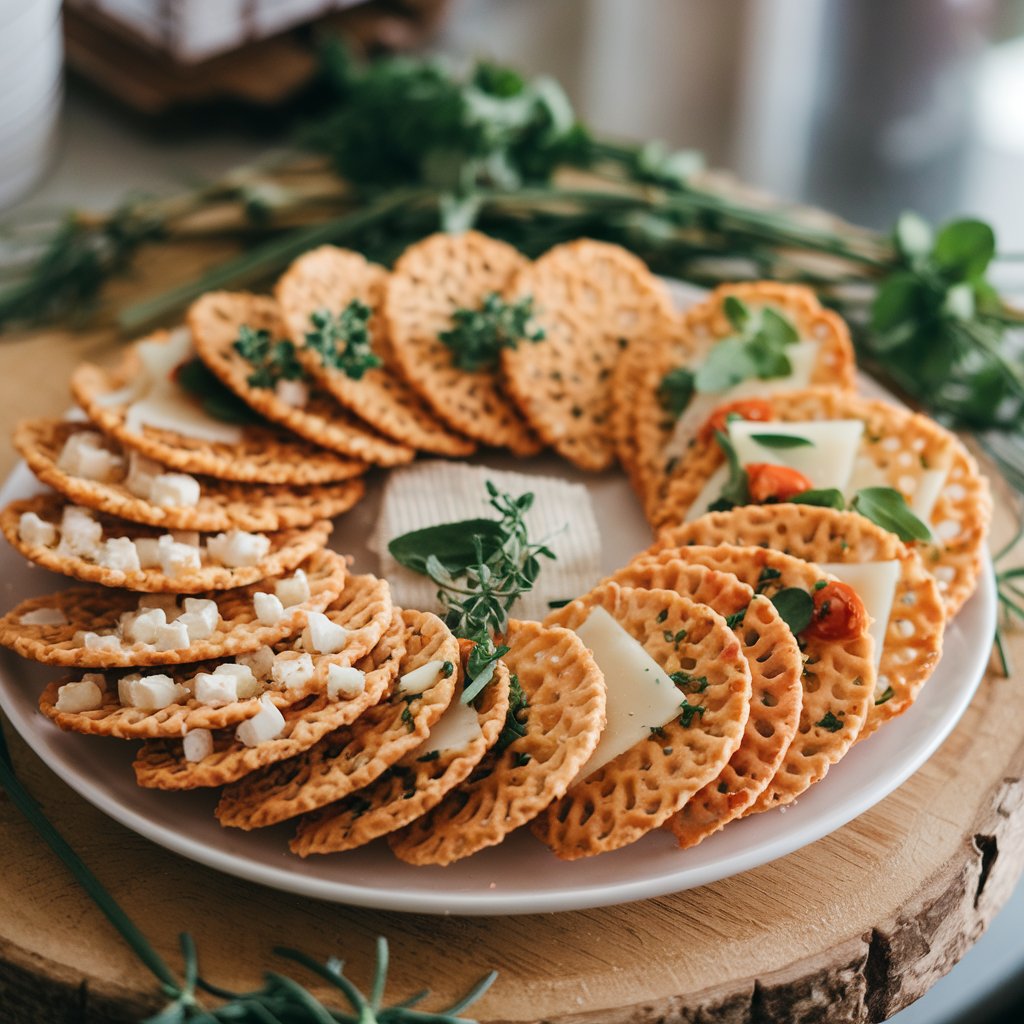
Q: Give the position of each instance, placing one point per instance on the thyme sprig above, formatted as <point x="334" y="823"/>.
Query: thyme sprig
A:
<point x="342" y="340"/>
<point x="477" y="336"/>
<point x="272" y="361"/>
<point x="1010" y="594"/>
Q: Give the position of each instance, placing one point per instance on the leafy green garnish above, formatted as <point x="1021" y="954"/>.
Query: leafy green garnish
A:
<point x="757" y="349"/>
<point x="342" y="340"/>
<point x="830" y="722"/>
<point x="689" y="712"/>
<point x="736" y="619"/>
<point x="217" y="399"/>
<point x="767" y="575"/>
<point x="826" y="497"/>
<point x="688" y="683"/>
<point x="430" y="755"/>
<point x="676" y="390"/>
<point x="477" y="336"/>
<point x="888" y="508"/>
<point x="736" y="490"/>
<point x="887" y="695"/>
<point x="796" y="607"/>
<point x="452" y="544"/>
<point x="515" y="718"/>
<point x="271" y="360"/>
<point x="781" y="441"/>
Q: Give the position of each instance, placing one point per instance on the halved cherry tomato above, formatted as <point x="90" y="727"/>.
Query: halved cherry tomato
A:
<point x="839" y="613"/>
<point x="756" y="409"/>
<point x="769" y="482"/>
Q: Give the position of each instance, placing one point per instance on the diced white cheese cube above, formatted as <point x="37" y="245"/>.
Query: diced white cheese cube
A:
<point x="260" y="662"/>
<point x="177" y="559"/>
<point x="35" y="531"/>
<point x="141" y="474"/>
<point x="215" y="690"/>
<point x="80" y="533"/>
<point x="96" y="642"/>
<point x="292" y="671"/>
<point x="322" y="636"/>
<point x="268" y="608"/>
<point x="84" y="695"/>
<point x="120" y="553"/>
<point x="151" y="693"/>
<point x="84" y="455"/>
<point x="293" y="590"/>
<point x="175" y="490"/>
<point x="294" y="393"/>
<point x="124" y="688"/>
<point x="148" y="550"/>
<point x="68" y="458"/>
<point x="145" y="625"/>
<point x="422" y="678"/>
<point x="200" y="618"/>
<point x="168" y="603"/>
<point x="238" y="548"/>
<point x="197" y="744"/>
<point x="44" y="617"/>
<point x="247" y="684"/>
<point x="172" y="637"/>
<point x="266" y="724"/>
<point x="345" y="682"/>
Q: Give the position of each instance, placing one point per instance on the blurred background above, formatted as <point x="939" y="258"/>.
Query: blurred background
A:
<point x="861" y="107"/>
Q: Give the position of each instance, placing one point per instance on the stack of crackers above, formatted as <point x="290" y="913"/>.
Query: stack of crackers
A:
<point x="194" y="502"/>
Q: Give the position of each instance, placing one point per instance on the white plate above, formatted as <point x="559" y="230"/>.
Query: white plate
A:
<point x="519" y="876"/>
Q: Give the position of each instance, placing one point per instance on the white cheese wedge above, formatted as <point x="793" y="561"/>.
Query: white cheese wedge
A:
<point x="875" y="583"/>
<point x="267" y="724"/>
<point x="74" y="698"/>
<point x="455" y="729"/>
<point x="929" y="487"/>
<point x="641" y="697"/>
<point x="422" y="678"/>
<point x="344" y="682"/>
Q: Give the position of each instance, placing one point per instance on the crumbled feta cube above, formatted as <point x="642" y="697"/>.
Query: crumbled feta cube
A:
<point x="120" y="553"/>
<point x="292" y="671"/>
<point x="176" y="558"/>
<point x="266" y="724"/>
<point x="247" y="684"/>
<point x="150" y="693"/>
<point x="422" y="678"/>
<point x="96" y="641"/>
<point x="197" y="744"/>
<point x="141" y="474"/>
<point x="124" y="688"/>
<point x="293" y="590"/>
<point x="80" y="533"/>
<point x="144" y="626"/>
<point x="84" y="695"/>
<point x="260" y="662"/>
<point x="168" y="603"/>
<point x="292" y="392"/>
<point x="35" y="531"/>
<point x="44" y="617"/>
<point x="172" y="637"/>
<point x="322" y="636"/>
<point x="148" y="550"/>
<point x="200" y="618"/>
<point x="215" y="690"/>
<point x="68" y="458"/>
<point x="84" y="455"/>
<point x="268" y="608"/>
<point x="344" y="682"/>
<point x="175" y="490"/>
<point x="238" y="548"/>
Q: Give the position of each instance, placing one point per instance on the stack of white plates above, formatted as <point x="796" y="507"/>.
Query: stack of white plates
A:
<point x="31" y="54"/>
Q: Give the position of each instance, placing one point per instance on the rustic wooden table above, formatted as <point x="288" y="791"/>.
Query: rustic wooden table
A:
<point x="852" y="928"/>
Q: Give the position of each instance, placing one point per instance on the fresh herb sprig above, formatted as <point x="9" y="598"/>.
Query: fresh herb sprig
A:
<point x="271" y="360"/>
<point x="342" y="340"/>
<point x="477" y="336"/>
<point x="1010" y="594"/>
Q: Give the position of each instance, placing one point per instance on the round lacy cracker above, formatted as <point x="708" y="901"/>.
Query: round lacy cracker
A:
<point x="564" y="719"/>
<point x="215" y="320"/>
<point x="288" y="548"/>
<point x="328" y="279"/>
<point x="645" y="785"/>
<point x="593" y="299"/>
<point x="97" y="610"/>
<point x="897" y="448"/>
<point x="913" y="635"/>
<point x="838" y="677"/>
<point x="223" y="504"/>
<point x="431" y="280"/>
<point x="352" y="757"/>
<point x="266" y="454"/>
<point x="409" y="788"/>
<point x="776" y="665"/>
<point x="161" y="764"/>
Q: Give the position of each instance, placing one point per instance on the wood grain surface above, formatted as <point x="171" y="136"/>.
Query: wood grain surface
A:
<point x="852" y="928"/>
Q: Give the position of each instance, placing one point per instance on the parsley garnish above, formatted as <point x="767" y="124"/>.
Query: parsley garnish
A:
<point x="342" y="340"/>
<point x="676" y="390"/>
<point x="430" y="755"/>
<point x="736" y="619"/>
<point x="447" y="669"/>
<point x="271" y="360"/>
<point x="407" y="717"/>
<point x="688" y="683"/>
<point x="515" y="717"/>
<point x="662" y="615"/>
<point x="767" y="575"/>
<point x="886" y="696"/>
<point x="781" y="441"/>
<point x="477" y="336"/>
<point x="689" y="711"/>
<point x="521" y="759"/>
<point x="830" y="722"/>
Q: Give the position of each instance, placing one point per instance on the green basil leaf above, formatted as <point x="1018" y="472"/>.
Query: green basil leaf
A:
<point x="728" y="363"/>
<point x="769" y="359"/>
<point x="900" y="298"/>
<point x="827" y="497"/>
<point x="451" y="543"/>
<point x="959" y="301"/>
<point x="888" y="508"/>
<point x="676" y="390"/>
<point x="963" y="249"/>
<point x="777" y="329"/>
<point x="796" y="607"/>
<point x="736" y="312"/>
<point x="781" y="441"/>
<point x="735" y="491"/>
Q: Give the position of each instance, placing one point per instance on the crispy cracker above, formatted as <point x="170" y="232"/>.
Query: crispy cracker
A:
<point x="161" y="764"/>
<point x="352" y="757"/>
<point x="215" y="320"/>
<point x="593" y="299"/>
<point x="409" y="788"/>
<point x="775" y="664"/>
<point x="97" y="610"/>
<point x="266" y="454"/>
<point x="898" y="447"/>
<point x="223" y="504"/>
<point x="287" y="549"/>
<point x="913" y="635"/>
<point x="566" y="714"/>
<point x="328" y="279"/>
<point x="838" y="677"/>
<point x="646" y="784"/>
<point x="431" y="280"/>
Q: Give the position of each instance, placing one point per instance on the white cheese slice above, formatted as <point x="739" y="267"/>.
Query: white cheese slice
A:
<point x="455" y="730"/>
<point x="875" y="583"/>
<point x="421" y="679"/>
<point x="929" y="487"/>
<point x="641" y="697"/>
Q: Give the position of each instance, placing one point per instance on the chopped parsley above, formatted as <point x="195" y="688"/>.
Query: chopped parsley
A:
<point x="477" y="336"/>
<point x="767" y="575"/>
<point x="447" y="669"/>
<point x="688" y="683"/>
<point x="736" y="619"/>
<point x="662" y="615"/>
<point x="688" y="712"/>
<point x="430" y="755"/>
<point x="521" y="759"/>
<point x="886" y="696"/>
<point x="676" y="390"/>
<point x="830" y="722"/>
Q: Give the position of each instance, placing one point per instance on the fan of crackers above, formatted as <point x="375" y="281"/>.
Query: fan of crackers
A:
<point x="211" y="624"/>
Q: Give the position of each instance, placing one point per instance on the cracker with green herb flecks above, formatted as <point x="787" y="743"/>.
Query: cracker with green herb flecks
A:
<point x="217" y="321"/>
<point x="433" y="280"/>
<point x="287" y="549"/>
<point x="356" y="755"/>
<point x="264" y="453"/>
<point x="316" y="294"/>
<point x="222" y="505"/>
<point x="411" y="786"/>
<point x="912" y="636"/>
<point x="642" y="787"/>
<point x="592" y="300"/>
<point x="838" y="676"/>
<point x="162" y="764"/>
<point x="558" y="729"/>
<point x="98" y="610"/>
<point x="775" y="664"/>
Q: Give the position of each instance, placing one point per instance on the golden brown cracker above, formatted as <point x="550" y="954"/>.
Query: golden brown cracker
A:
<point x="563" y="722"/>
<point x="593" y="300"/>
<point x="215" y="321"/>
<point x="328" y="279"/>
<point x="645" y="785"/>
<point x="431" y="280"/>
